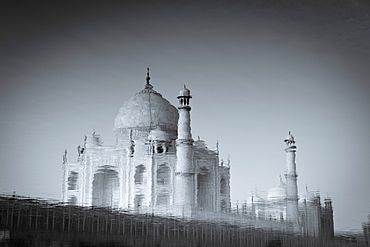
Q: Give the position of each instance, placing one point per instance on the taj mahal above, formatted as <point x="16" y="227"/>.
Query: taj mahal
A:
<point x="156" y="166"/>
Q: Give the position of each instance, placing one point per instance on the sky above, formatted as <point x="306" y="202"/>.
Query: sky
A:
<point x="256" y="70"/>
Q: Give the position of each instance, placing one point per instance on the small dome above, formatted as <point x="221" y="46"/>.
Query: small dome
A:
<point x="185" y="92"/>
<point x="289" y="138"/>
<point x="309" y="197"/>
<point x="158" y="135"/>
<point x="277" y="193"/>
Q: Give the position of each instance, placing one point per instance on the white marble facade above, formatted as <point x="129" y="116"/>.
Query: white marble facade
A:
<point x="155" y="164"/>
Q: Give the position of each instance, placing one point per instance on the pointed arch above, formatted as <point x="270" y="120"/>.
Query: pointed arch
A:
<point x="73" y="180"/>
<point x="139" y="174"/>
<point x="163" y="185"/>
<point x="105" y="188"/>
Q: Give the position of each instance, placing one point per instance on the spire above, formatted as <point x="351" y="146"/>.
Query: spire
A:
<point x="65" y="156"/>
<point x="148" y="85"/>
<point x="147" y="76"/>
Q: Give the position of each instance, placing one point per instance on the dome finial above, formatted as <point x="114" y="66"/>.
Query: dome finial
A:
<point x="147" y="76"/>
<point x="148" y="85"/>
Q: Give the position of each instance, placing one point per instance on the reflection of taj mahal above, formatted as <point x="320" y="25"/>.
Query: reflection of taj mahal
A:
<point x="155" y="162"/>
<point x="156" y="166"/>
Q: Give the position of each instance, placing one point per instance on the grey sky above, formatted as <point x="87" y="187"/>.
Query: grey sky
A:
<point x="256" y="69"/>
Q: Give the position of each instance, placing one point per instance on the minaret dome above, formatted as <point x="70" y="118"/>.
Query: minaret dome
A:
<point x="184" y="97"/>
<point x="289" y="138"/>
<point x="185" y="92"/>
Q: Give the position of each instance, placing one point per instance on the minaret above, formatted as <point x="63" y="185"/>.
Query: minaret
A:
<point x="291" y="181"/>
<point x="184" y="197"/>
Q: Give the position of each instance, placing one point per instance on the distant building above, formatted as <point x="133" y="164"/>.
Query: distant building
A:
<point x="155" y="163"/>
<point x="156" y="166"/>
<point x="306" y="213"/>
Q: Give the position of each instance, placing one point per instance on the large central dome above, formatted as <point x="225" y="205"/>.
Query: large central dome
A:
<point x="147" y="109"/>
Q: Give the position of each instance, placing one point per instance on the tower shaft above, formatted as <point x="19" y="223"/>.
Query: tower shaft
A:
<point x="184" y="129"/>
<point x="291" y="181"/>
<point x="184" y="197"/>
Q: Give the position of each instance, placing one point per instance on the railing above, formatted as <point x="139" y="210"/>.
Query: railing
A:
<point x="28" y="219"/>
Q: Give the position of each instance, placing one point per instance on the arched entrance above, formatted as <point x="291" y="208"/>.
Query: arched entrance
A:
<point x="105" y="188"/>
<point x="163" y="185"/>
